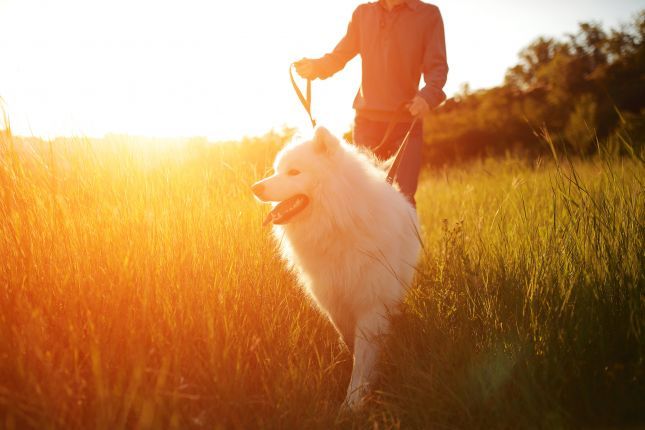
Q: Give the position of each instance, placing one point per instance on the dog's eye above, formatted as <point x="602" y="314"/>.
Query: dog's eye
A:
<point x="293" y="172"/>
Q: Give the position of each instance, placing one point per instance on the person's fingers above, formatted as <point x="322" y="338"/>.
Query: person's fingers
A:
<point x="304" y="68"/>
<point x="413" y="107"/>
<point x="301" y="71"/>
<point x="418" y="106"/>
<point x="301" y="64"/>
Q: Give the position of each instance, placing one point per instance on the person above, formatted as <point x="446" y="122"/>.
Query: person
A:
<point x="398" y="40"/>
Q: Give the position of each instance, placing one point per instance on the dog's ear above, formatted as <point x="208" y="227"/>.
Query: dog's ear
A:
<point x="325" y="142"/>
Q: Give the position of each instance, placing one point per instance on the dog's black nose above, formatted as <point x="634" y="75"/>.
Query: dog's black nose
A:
<point x="257" y="189"/>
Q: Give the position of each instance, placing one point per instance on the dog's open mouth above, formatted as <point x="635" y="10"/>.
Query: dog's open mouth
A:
<point x="286" y="209"/>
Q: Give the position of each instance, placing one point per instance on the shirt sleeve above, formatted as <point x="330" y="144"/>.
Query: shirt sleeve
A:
<point x="346" y="49"/>
<point x="435" y="65"/>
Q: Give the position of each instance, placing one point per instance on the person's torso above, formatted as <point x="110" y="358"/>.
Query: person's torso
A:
<point x="392" y="47"/>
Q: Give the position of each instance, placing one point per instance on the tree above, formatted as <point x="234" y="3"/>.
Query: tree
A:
<point x="584" y="86"/>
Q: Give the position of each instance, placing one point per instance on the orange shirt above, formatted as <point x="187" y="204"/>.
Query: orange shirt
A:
<point x="396" y="48"/>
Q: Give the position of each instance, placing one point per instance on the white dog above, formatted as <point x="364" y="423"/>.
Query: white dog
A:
<point x="352" y="238"/>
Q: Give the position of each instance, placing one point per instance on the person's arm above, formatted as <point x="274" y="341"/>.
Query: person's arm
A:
<point x="331" y="63"/>
<point x="435" y="65"/>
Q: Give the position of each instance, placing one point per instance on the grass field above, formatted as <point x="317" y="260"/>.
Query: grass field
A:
<point x="139" y="290"/>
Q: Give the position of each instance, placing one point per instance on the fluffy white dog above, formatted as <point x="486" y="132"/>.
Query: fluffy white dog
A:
<point x="352" y="238"/>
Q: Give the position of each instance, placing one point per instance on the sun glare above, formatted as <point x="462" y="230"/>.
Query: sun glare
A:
<point x="215" y="69"/>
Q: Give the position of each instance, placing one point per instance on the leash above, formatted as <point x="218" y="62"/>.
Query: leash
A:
<point x="394" y="168"/>
<point x="306" y="101"/>
<point x="399" y="153"/>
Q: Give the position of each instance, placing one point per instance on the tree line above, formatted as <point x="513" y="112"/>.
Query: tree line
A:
<point x="586" y="90"/>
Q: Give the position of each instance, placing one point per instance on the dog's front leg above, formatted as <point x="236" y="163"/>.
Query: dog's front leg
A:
<point x="366" y="348"/>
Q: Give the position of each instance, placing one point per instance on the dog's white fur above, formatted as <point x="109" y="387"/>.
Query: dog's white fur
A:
<point x="354" y="247"/>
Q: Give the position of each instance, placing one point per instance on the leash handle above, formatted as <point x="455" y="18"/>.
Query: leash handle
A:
<point x="306" y="101"/>
<point x="399" y="153"/>
<point x="390" y="127"/>
<point x="386" y="135"/>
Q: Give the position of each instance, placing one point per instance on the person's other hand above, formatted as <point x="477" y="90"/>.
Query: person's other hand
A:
<point x="418" y="106"/>
<point x="305" y="68"/>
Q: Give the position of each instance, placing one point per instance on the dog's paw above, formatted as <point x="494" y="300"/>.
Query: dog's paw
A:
<point x="345" y="413"/>
<point x="356" y="398"/>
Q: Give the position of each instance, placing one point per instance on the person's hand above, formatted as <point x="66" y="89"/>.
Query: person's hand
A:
<point x="305" y="68"/>
<point x="418" y="106"/>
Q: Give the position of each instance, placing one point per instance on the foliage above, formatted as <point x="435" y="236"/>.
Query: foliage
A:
<point x="578" y="132"/>
<point x="577" y="88"/>
<point x="139" y="290"/>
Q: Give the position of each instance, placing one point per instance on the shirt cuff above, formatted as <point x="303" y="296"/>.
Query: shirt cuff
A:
<point x="433" y="96"/>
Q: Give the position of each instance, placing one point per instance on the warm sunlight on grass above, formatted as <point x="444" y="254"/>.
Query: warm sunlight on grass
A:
<point x="139" y="291"/>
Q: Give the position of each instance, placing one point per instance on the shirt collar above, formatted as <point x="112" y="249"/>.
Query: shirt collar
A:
<point x="412" y="4"/>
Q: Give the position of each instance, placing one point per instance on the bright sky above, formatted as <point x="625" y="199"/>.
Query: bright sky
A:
<point x="219" y="69"/>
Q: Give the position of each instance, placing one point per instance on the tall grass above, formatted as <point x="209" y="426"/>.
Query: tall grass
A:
<point x="138" y="290"/>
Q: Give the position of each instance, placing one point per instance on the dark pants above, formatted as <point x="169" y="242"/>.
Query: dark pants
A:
<point x="368" y="134"/>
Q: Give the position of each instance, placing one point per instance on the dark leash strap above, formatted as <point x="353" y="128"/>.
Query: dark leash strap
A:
<point x="306" y="101"/>
<point x="401" y="151"/>
<point x="390" y="126"/>
<point x="394" y="168"/>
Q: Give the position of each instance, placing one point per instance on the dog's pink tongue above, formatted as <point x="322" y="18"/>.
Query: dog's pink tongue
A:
<point x="275" y="214"/>
<point x="286" y="209"/>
